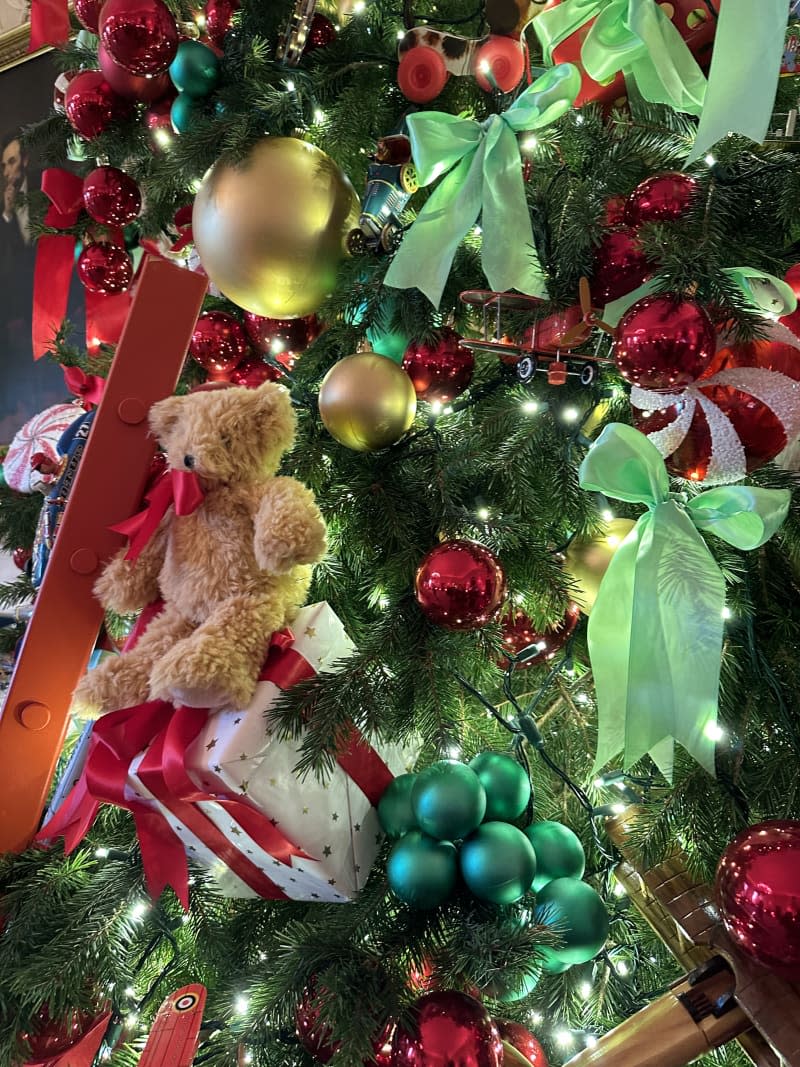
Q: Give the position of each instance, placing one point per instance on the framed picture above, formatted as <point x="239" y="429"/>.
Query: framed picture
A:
<point x="26" y="96"/>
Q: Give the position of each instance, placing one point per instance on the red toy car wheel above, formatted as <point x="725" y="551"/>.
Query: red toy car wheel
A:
<point x="422" y="74"/>
<point x="501" y="61"/>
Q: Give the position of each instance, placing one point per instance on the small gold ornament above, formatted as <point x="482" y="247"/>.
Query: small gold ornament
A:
<point x="367" y="402"/>
<point x="270" y="230"/>
<point x="587" y="560"/>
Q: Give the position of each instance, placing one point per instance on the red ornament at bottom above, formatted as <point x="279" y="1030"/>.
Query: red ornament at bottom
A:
<point x="519" y="632"/>
<point x="20" y="556"/>
<point x="523" y="1041"/>
<point x="460" y="585"/>
<point x="449" y="1028"/>
<point x="54" y="1037"/>
<point x="252" y="372"/>
<point x="440" y="370"/>
<point x="104" y="267"/>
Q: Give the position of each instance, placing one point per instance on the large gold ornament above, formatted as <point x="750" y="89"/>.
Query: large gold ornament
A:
<point x="270" y="230"/>
<point x="367" y="402"/>
<point x="587" y="560"/>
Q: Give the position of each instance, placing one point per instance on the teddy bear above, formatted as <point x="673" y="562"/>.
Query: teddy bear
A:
<point x="230" y="573"/>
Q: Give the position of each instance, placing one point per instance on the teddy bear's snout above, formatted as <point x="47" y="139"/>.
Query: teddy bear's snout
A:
<point x="188" y="462"/>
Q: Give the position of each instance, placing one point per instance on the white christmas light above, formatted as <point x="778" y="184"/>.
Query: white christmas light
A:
<point x="483" y="514"/>
<point x="622" y="969"/>
<point x="714" y="731"/>
<point x="530" y="143"/>
<point x="570" y="414"/>
<point x="530" y="407"/>
<point x="726" y="613"/>
<point x="710" y="160"/>
<point x="591" y="1041"/>
<point x="163" y="137"/>
<point x="290" y="85"/>
<point x="585" y="990"/>
<point x="130" y="991"/>
<point x="606" y="515"/>
<point x="138" y="911"/>
<point x="101" y="853"/>
<point x="564" y="1038"/>
<point x="241" y="1005"/>
<point x="359" y="6"/>
<point x="401" y="34"/>
<point x="319" y="116"/>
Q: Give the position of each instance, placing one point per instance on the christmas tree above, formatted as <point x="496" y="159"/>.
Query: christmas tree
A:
<point x="446" y="431"/>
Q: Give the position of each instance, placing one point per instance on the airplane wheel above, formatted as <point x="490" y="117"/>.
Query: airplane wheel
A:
<point x="588" y="374"/>
<point x="526" y="368"/>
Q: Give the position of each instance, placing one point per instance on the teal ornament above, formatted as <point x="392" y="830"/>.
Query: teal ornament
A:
<point x="483" y="178"/>
<point x="422" y="872"/>
<point x="448" y="799"/>
<point x="559" y="852"/>
<point x="183" y="113"/>
<point x="498" y="863"/>
<point x="395" y="813"/>
<point x="509" y="991"/>
<point x="195" y="69"/>
<point x="578" y="915"/>
<point x="508" y="788"/>
<point x="389" y="343"/>
<point x="551" y="964"/>
<point x="655" y="631"/>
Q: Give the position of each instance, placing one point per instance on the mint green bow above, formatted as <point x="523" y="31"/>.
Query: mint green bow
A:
<point x="655" y="631"/>
<point x="634" y="37"/>
<point x="485" y="178"/>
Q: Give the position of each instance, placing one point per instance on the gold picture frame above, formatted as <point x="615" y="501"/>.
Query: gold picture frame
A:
<point x="14" y="46"/>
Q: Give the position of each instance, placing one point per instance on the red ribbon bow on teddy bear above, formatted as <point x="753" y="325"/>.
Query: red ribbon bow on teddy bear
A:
<point x="179" y="488"/>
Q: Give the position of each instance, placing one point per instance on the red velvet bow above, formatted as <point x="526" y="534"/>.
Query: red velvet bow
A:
<point x="87" y="387"/>
<point x="49" y="23"/>
<point x="179" y="488"/>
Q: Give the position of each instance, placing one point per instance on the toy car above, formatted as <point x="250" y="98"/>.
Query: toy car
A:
<point x="391" y="182"/>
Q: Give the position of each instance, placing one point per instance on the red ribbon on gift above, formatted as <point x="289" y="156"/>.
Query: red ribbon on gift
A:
<point x="49" y="23"/>
<point x="88" y="388"/>
<point x="167" y="734"/>
<point x="179" y="488"/>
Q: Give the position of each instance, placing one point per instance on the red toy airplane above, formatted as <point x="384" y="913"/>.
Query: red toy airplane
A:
<point x="174" y="1034"/>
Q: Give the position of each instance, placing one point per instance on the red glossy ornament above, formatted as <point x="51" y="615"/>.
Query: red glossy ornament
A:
<point x="111" y="196"/>
<point x="523" y="1041"/>
<point x="758" y="896"/>
<point x="506" y="64"/>
<point x="450" y="1029"/>
<point x="252" y="372"/>
<point x="140" y="35"/>
<point x="620" y="266"/>
<point x="219" y="15"/>
<point x="87" y="13"/>
<point x="519" y="632"/>
<point x="614" y="212"/>
<point x="382" y="1055"/>
<point x="312" y="1035"/>
<point x="92" y="105"/>
<point x="661" y="198"/>
<point x="218" y="343"/>
<point x="104" y="267"/>
<point x="283" y="339"/>
<point x="460" y="585"/>
<point x="664" y="342"/>
<point x="54" y="1037"/>
<point x="158" y="120"/>
<point x="759" y="429"/>
<point x="440" y="370"/>
<point x="131" y="86"/>
<point x="20" y="556"/>
<point x="321" y="32"/>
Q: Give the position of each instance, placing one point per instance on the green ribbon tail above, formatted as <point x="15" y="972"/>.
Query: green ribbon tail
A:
<point x="745" y="68"/>
<point x="555" y="24"/>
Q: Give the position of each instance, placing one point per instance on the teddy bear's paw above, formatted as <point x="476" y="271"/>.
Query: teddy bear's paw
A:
<point x="186" y="679"/>
<point x="85" y="707"/>
<point x="201" y="697"/>
<point x="113" y="685"/>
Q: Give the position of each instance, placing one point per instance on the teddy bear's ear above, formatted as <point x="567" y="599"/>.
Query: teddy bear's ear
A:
<point x="164" y="415"/>
<point x="275" y="414"/>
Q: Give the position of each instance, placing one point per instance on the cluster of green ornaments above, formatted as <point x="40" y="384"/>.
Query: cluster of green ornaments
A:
<point x="194" y="72"/>
<point x="455" y="822"/>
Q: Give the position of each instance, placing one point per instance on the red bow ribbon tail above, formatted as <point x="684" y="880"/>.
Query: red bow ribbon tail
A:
<point x="55" y="256"/>
<point x="179" y="488"/>
<point x="49" y="23"/>
<point x="183" y="224"/>
<point x="87" y="387"/>
<point x="106" y="315"/>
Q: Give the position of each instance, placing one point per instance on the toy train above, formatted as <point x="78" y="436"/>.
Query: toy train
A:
<point x="391" y="182"/>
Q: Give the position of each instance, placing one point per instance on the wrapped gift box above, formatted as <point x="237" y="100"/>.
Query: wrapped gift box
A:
<point x="220" y="788"/>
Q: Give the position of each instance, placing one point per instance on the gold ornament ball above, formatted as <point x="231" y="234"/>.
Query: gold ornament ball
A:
<point x="587" y="560"/>
<point x="367" y="402"/>
<point x="270" y="230"/>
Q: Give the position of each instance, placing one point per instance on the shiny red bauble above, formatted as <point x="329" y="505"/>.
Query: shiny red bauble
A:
<point x="111" y="196"/>
<point x="252" y="372"/>
<point x="92" y="105"/>
<point x="759" y="429"/>
<point x="321" y="32"/>
<point x="620" y="266"/>
<point x="218" y="343"/>
<point x="439" y="370"/>
<point x="450" y="1029"/>
<point x="87" y="13"/>
<point x="131" y="86"/>
<point x="283" y="339"/>
<point x="519" y="632"/>
<point x="614" y="213"/>
<point x="661" y="198"/>
<point x="158" y="120"/>
<point x="664" y="342"/>
<point x="54" y="1037"/>
<point x="460" y="585"/>
<point x="104" y="267"/>
<point x="20" y="556"/>
<point x="522" y="1040"/>
<point x="758" y="894"/>
<point x="219" y="16"/>
<point x="140" y="35"/>
<point x="315" y="1037"/>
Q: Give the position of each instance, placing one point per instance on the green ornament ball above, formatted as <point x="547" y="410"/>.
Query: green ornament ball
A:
<point x="195" y="69"/>
<point x="422" y="872"/>
<point x="559" y="853"/>
<point x="498" y="863"/>
<point x="395" y="813"/>
<point x="507" y="992"/>
<point x="508" y="788"/>
<point x="183" y="112"/>
<point x="551" y="964"/>
<point x="448" y="799"/>
<point x="579" y="916"/>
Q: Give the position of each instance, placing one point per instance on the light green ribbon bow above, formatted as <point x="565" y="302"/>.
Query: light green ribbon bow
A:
<point x="485" y="178"/>
<point x="655" y="631"/>
<point x="632" y="36"/>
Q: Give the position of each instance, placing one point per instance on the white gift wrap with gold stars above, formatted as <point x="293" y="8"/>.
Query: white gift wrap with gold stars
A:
<point x="332" y="821"/>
